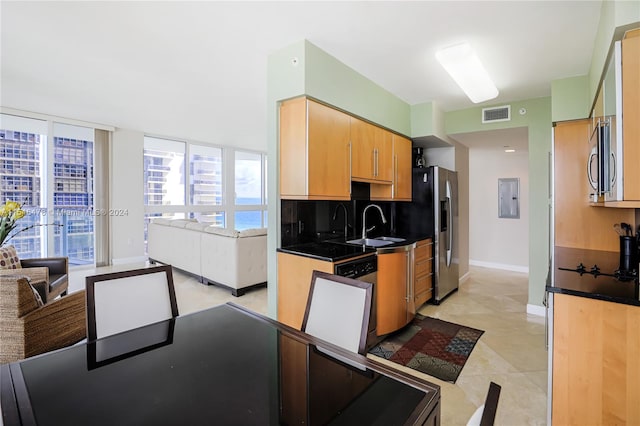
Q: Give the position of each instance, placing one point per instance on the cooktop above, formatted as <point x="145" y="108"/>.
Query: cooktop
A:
<point x="329" y="251"/>
<point x="595" y="274"/>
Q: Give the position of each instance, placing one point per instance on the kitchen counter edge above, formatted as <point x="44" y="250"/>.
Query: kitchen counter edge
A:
<point x="294" y="249"/>
<point x="596" y="296"/>
<point x="570" y="283"/>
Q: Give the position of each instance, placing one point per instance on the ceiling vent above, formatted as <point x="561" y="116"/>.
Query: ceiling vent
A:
<point x="492" y="115"/>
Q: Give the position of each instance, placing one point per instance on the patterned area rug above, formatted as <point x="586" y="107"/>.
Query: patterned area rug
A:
<point x="432" y="346"/>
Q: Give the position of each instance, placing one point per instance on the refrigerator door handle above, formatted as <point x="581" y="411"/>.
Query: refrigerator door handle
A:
<point x="449" y="224"/>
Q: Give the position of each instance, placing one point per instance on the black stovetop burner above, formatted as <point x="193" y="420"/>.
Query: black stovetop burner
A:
<point x="620" y="275"/>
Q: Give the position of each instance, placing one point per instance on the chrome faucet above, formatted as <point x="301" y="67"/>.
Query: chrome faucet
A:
<point x="364" y="213"/>
<point x="346" y="220"/>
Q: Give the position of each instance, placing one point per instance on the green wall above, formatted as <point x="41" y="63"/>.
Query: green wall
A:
<point x="570" y="98"/>
<point x="422" y="119"/>
<point x="333" y="82"/>
<point x="613" y="15"/>
<point x="573" y="98"/>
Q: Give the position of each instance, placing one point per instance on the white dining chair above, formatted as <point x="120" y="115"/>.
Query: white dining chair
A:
<point x="485" y="414"/>
<point x="121" y="301"/>
<point x="338" y="310"/>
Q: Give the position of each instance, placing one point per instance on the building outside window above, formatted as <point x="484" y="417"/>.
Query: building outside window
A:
<point x="205" y="183"/>
<point x="20" y="175"/>
<point x="53" y="180"/>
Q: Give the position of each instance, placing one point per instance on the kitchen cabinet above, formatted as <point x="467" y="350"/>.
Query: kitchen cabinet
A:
<point x="631" y="115"/>
<point x="423" y="272"/>
<point x="577" y="224"/>
<point x="314" y="151"/>
<point x="371" y="153"/>
<point x="394" y="298"/>
<point x="400" y="189"/>
<point x="294" y="283"/>
<point x="596" y="373"/>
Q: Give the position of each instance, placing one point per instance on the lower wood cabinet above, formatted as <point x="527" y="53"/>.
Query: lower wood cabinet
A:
<point x="394" y="307"/>
<point x="423" y="272"/>
<point x="294" y="283"/>
<point x="596" y="362"/>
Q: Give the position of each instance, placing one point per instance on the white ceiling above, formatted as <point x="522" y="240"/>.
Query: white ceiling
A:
<point x="198" y="70"/>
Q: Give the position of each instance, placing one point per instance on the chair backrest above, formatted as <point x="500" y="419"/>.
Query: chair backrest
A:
<point x="338" y="310"/>
<point x="485" y="415"/>
<point x="122" y="301"/>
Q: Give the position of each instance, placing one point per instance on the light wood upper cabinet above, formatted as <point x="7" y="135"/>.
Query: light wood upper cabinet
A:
<point x="631" y="114"/>
<point x="403" y="154"/>
<point x="371" y="153"/>
<point x="577" y="224"/>
<point x="400" y="190"/>
<point x="314" y="151"/>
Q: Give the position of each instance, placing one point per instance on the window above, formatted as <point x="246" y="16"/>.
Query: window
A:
<point x="73" y="193"/>
<point x="199" y="189"/>
<point x="163" y="172"/>
<point x="205" y="181"/>
<point x="53" y="180"/>
<point x="22" y="143"/>
<point x="250" y="199"/>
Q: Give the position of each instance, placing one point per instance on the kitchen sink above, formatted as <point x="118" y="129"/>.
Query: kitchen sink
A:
<point x="392" y="239"/>
<point x="371" y="242"/>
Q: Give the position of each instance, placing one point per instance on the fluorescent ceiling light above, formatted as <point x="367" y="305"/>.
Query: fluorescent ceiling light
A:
<point x="509" y="150"/>
<point x="462" y="63"/>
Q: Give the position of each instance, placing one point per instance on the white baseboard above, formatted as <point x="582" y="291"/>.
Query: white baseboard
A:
<point x="465" y="277"/>
<point x="127" y="260"/>
<point x="503" y="266"/>
<point x="536" y="310"/>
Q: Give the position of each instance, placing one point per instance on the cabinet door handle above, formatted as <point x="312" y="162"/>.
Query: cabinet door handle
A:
<point x="350" y="165"/>
<point x="395" y="177"/>
<point x="375" y="154"/>
<point x="373" y="162"/>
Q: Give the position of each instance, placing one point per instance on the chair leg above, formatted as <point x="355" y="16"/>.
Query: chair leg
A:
<point x="64" y="293"/>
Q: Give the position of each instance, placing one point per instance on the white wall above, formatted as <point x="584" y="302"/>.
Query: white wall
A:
<point x="443" y="157"/>
<point x="495" y="242"/>
<point x="127" y="193"/>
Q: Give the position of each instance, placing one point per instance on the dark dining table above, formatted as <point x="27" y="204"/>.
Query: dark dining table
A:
<point x="225" y="366"/>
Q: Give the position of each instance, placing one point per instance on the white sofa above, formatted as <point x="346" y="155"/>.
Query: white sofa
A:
<point x="219" y="256"/>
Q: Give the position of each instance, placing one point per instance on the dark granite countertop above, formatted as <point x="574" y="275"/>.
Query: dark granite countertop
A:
<point x="337" y="250"/>
<point x="328" y="251"/>
<point x="587" y="285"/>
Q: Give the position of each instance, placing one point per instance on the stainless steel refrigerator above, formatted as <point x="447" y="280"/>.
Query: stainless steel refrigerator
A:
<point x="434" y="211"/>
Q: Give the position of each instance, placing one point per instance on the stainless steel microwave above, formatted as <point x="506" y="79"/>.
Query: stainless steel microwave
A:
<point x="599" y="172"/>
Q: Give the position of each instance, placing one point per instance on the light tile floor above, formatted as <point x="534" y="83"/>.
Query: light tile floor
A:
<point x="511" y="352"/>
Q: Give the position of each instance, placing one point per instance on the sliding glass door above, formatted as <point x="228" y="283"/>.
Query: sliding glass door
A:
<point x="48" y="168"/>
